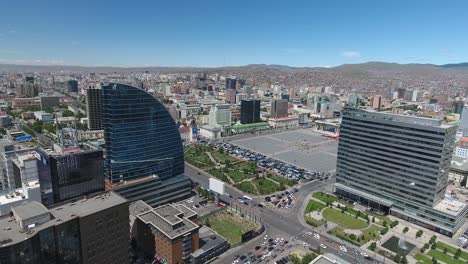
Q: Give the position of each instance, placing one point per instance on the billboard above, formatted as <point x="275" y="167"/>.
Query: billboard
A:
<point x="217" y="186"/>
<point x="194" y="131"/>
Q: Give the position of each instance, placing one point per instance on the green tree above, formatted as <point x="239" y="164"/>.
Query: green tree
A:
<point x="457" y="254"/>
<point x="432" y="240"/>
<point x="37" y="126"/>
<point x="397" y="258"/>
<point x="419" y="233"/>
<point x="384" y="223"/>
<point x="373" y="246"/>
<point x="445" y="250"/>
<point x="404" y="260"/>
<point x="405" y="230"/>
<point x="434" y="260"/>
<point x="307" y="258"/>
<point x="67" y="113"/>
<point x="373" y="219"/>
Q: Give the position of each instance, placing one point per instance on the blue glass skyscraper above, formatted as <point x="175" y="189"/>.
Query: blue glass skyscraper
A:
<point x="141" y="136"/>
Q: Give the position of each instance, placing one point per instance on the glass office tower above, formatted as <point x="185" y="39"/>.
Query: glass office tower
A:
<point x="250" y="111"/>
<point x="141" y="137"/>
<point x="399" y="164"/>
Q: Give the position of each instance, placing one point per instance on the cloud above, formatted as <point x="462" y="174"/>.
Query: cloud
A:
<point x="47" y="62"/>
<point x="351" y="54"/>
<point x="293" y="51"/>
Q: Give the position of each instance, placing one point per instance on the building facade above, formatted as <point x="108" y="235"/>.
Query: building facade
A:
<point x="399" y="165"/>
<point x="141" y="136"/>
<point x="72" y="86"/>
<point x="94" y="107"/>
<point x="250" y="111"/>
<point x="279" y="108"/>
<point x="220" y="115"/>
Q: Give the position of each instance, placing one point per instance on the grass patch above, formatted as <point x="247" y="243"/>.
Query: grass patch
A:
<point x="371" y="233"/>
<point x="444" y="258"/>
<point x="27" y="130"/>
<point x="314" y="206"/>
<point x="452" y="250"/>
<point x="344" y="220"/>
<point x="229" y="225"/>
<point x="326" y="198"/>
<point x="222" y="157"/>
<point x="246" y="187"/>
<point x="238" y="176"/>
<point x="314" y="222"/>
<point x="422" y="259"/>
<point x="282" y="180"/>
<point x="265" y="186"/>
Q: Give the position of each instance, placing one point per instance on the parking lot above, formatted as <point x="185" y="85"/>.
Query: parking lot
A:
<point x="302" y="148"/>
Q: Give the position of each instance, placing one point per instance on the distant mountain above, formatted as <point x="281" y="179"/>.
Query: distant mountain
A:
<point x="456" y="65"/>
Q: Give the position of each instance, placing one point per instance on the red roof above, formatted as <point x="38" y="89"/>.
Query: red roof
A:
<point x="184" y="129"/>
<point x="464" y="139"/>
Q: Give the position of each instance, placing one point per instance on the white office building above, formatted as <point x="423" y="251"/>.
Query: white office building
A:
<point x="220" y="115"/>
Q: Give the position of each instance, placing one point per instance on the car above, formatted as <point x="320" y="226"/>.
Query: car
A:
<point x="317" y="236"/>
<point x="281" y="240"/>
<point x="258" y="247"/>
<point x="323" y="246"/>
<point x="343" y="248"/>
<point x="364" y="254"/>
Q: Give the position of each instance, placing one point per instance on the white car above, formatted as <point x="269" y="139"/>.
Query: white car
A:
<point x="317" y="236"/>
<point x="281" y="240"/>
<point x="323" y="246"/>
<point x="343" y="248"/>
<point x="309" y="233"/>
<point x="364" y="254"/>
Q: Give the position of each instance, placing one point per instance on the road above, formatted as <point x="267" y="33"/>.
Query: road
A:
<point x="285" y="223"/>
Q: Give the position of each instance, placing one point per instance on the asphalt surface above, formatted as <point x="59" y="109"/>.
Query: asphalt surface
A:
<point x="279" y="222"/>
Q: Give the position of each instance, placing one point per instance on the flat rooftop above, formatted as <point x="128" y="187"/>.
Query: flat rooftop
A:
<point x="168" y="220"/>
<point x="208" y="241"/>
<point x="329" y="258"/>
<point x="450" y="206"/>
<point x="11" y="232"/>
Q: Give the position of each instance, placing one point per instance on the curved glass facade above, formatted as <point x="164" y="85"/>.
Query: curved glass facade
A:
<point x="141" y="136"/>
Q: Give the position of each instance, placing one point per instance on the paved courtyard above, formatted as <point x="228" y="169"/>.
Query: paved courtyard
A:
<point x="303" y="148"/>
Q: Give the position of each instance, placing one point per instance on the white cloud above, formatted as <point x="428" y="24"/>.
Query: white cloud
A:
<point x="351" y="54"/>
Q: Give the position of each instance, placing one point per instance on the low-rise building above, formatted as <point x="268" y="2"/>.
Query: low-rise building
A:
<point x="43" y="116"/>
<point x="168" y="229"/>
<point x="211" y="245"/>
<point x="284" y="122"/>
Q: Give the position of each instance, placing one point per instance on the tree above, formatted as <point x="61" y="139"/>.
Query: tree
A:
<point x="419" y="233"/>
<point x="434" y="260"/>
<point x="373" y="246"/>
<point x="397" y="258"/>
<point x="67" y="113"/>
<point x="307" y="258"/>
<point x="37" y="126"/>
<point x="384" y="223"/>
<point x="207" y="222"/>
<point x="445" y="250"/>
<point x="352" y="236"/>
<point x="457" y="254"/>
<point x="405" y="230"/>
<point x="404" y="260"/>
<point x="373" y="219"/>
<point x="433" y="246"/>
<point x="433" y="240"/>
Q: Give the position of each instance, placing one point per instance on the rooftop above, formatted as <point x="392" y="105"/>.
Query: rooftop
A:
<point x="169" y="220"/>
<point x="450" y="206"/>
<point x="208" y="240"/>
<point x="12" y="233"/>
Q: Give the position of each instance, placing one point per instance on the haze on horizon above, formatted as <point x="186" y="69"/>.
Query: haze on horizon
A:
<point x="213" y="33"/>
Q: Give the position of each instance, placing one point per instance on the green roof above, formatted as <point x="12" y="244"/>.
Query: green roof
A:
<point x="253" y="125"/>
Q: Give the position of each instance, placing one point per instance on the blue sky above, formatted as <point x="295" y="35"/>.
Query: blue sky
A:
<point x="222" y="33"/>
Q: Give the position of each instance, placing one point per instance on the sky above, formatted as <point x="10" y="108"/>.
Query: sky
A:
<point x="208" y="33"/>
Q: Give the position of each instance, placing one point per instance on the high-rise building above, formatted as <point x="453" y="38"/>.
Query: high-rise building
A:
<point x="88" y="230"/>
<point x="220" y="115"/>
<point x="94" y="107"/>
<point x="141" y="137"/>
<point x="231" y="96"/>
<point x="231" y="83"/>
<point x="279" y="108"/>
<point x="72" y="86"/>
<point x="399" y="165"/>
<point x="250" y="111"/>
<point x="376" y="102"/>
<point x="458" y="107"/>
<point x="463" y="125"/>
<point x="67" y="175"/>
<point x="401" y="93"/>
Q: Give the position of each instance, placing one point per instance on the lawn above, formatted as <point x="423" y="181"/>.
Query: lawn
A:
<point x="314" y="206"/>
<point x="343" y="219"/>
<point x="326" y="198"/>
<point x="246" y="187"/>
<point x="229" y="225"/>
<point x="238" y="176"/>
<point x="314" y="222"/>
<point x="371" y="233"/>
<point x="422" y="259"/>
<point x="265" y="186"/>
<point x="221" y="157"/>
<point x="444" y="258"/>
<point x="282" y="180"/>
<point x="451" y="250"/>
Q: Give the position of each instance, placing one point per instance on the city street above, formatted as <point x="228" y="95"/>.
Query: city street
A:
<point x="287" y="225"/>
